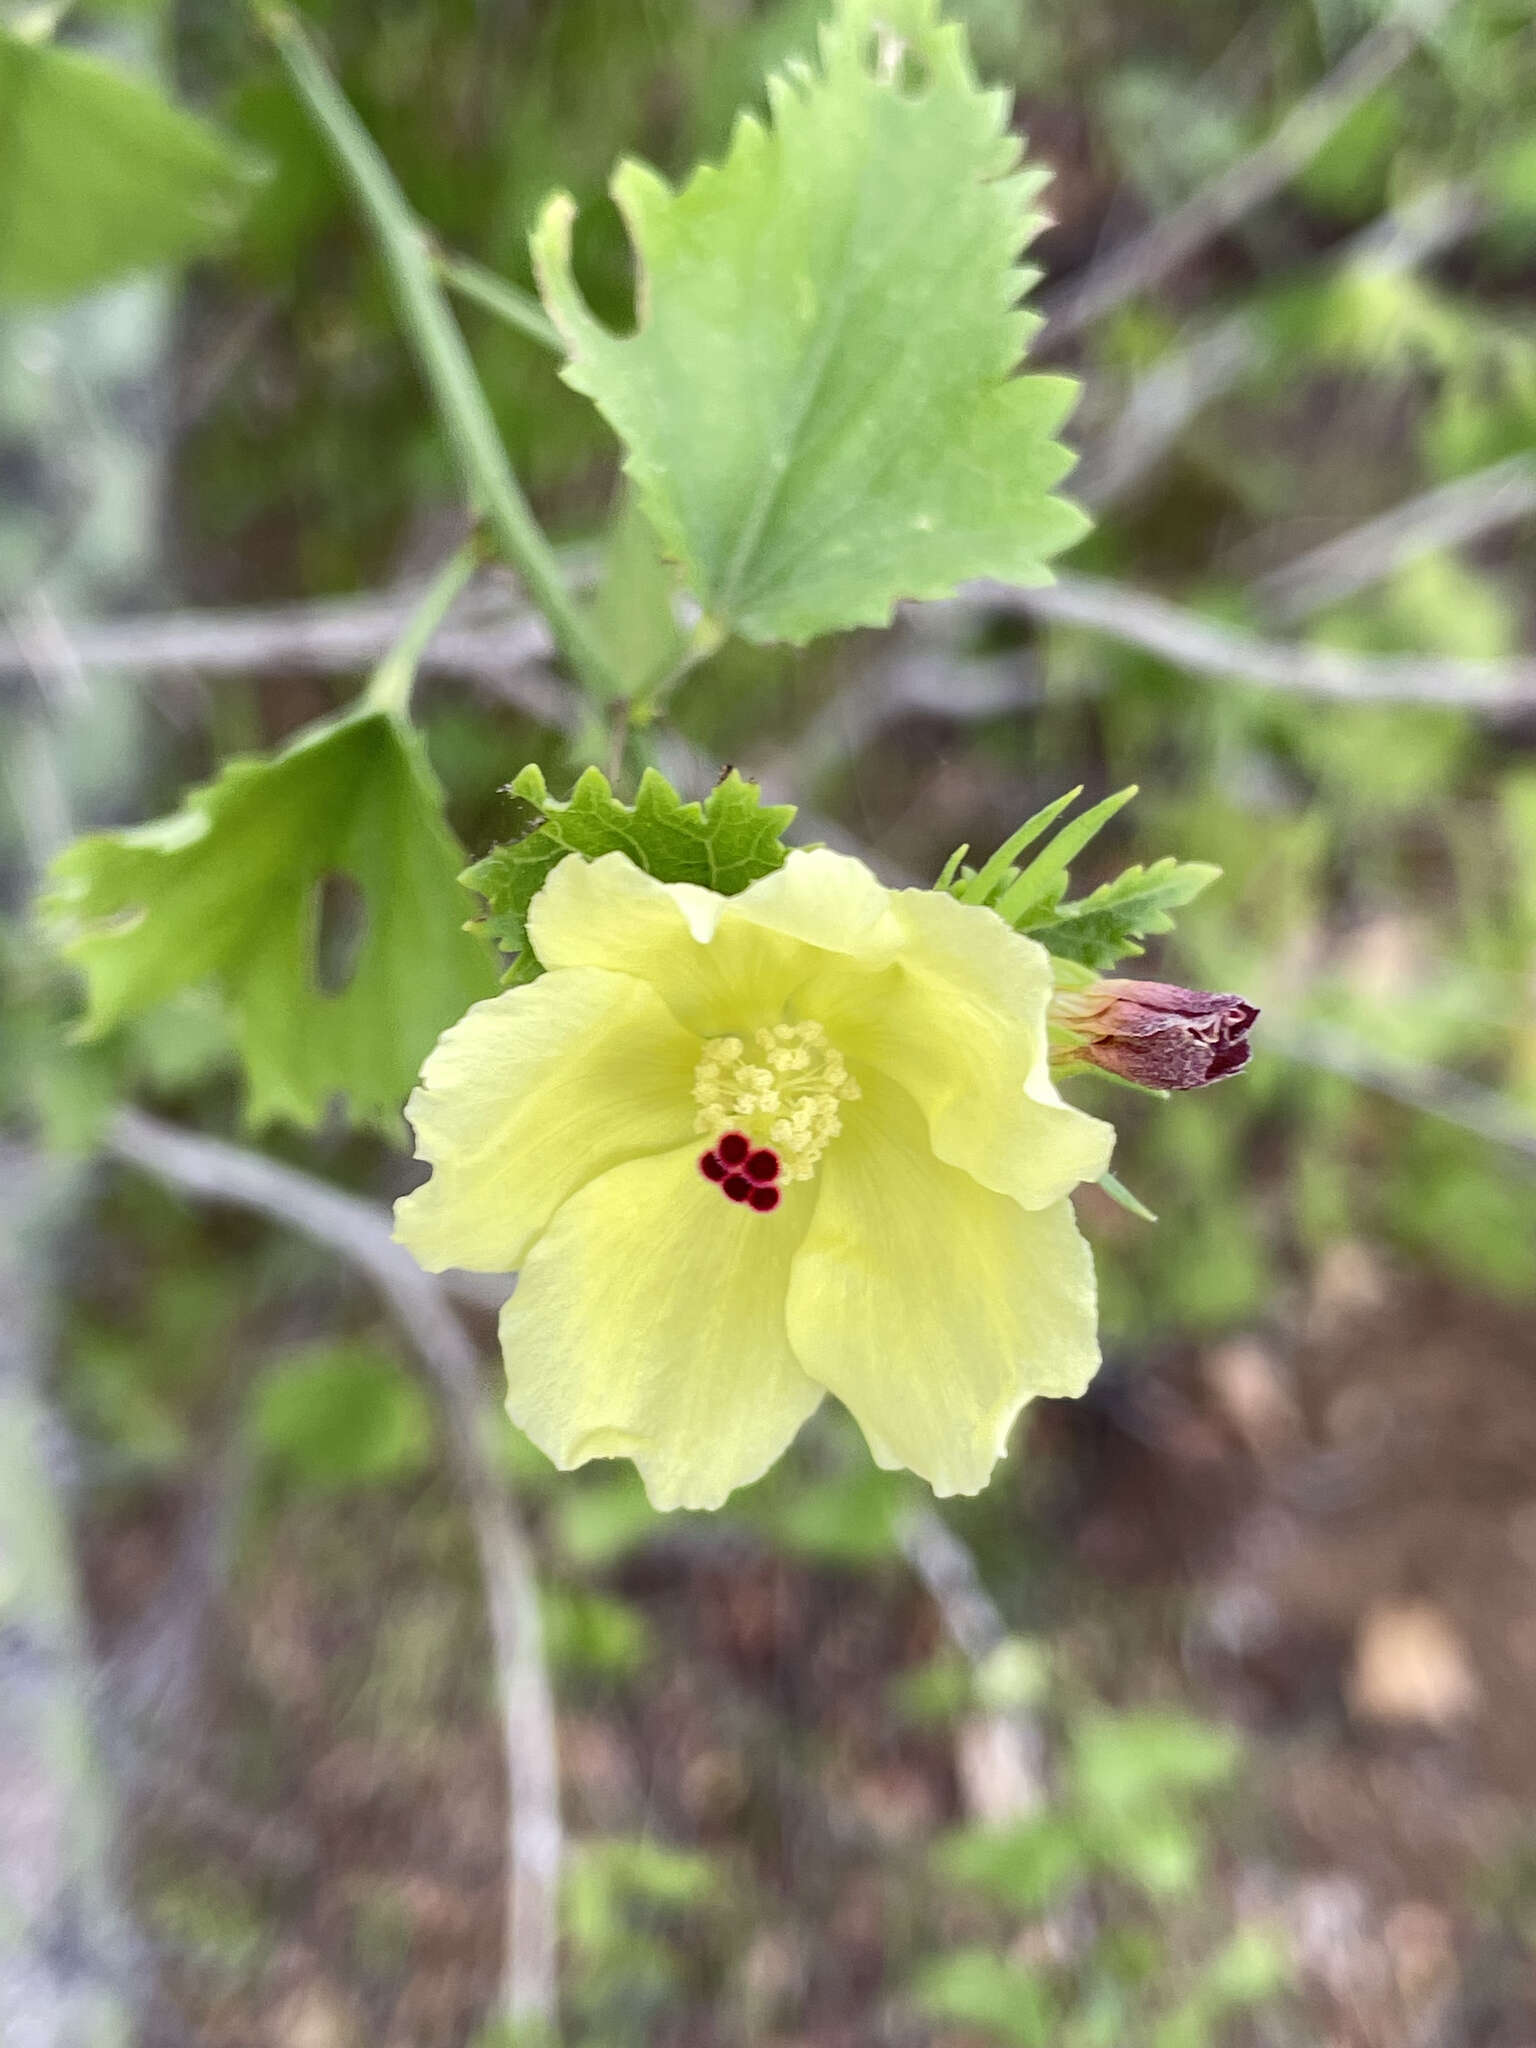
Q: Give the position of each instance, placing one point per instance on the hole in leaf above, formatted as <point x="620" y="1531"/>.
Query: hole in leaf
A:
<point x="912" y="73"/>
<point x="341" y="924"/>
<point x="604" y="262"/>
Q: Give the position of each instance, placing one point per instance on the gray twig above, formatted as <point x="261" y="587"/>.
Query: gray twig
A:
<point x="1186" y="640"/>
<point x="1139" y="265"/>
<point x="212" y="1170"/>
<point x="1446" y="517"/>
<point x="1433" y="1091"/>
<point x="67" y="1964"/>
<point x="341" y="637"/>
<point x="494" y="645"/>
<point x="1006" y="1751"/>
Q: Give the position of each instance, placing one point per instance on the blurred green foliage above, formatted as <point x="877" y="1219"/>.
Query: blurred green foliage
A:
<point x="335" y="1416"/>
<point x="1126" y="1825"/>
<point x="70" y="219"/>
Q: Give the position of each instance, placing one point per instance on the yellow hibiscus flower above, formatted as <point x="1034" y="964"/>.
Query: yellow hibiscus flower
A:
<point x="748" y="1150"/>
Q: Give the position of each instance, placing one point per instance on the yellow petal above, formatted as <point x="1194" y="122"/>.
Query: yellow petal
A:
<point x="648" y="1323"/>
<point x="721" y="964"/>
<point x="959" y="1022"/>
<point x="932" y="1307"/>
<point x="530" y="1095"/>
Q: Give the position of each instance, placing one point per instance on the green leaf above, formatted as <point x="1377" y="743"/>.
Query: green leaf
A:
<point x="1044" y="881"/>
<point x="975" y="1987"/>
<point x="336" y="1416"/>
<point x="994" y="873"/>
<point x="845" y="1519"/>
<point x="818" y="404"/>
<point x="939" y="1690"/>
<point x="1097" y="930"/>
<point x="600" y="1520"/>
<point x="1020" y="894"/>
<point x="1014" y="1674"/>
<point x="231" y="888"/>
<point x="951" y="867"/>
<point x="100" y="176"/>
<point x="1253" y="1966"/>
<point x="1107" y="926"/>
<point x="1155" y="1848"/>
<point x="1124" y="1761"/>
<point x="1026" y="1864"/>
<point x="589" y="1635"/>
<point x="729" y="840"/>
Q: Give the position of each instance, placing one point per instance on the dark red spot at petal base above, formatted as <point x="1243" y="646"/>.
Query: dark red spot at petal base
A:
<point x="733" y="1147"/>
<point x="764" y="1200"/>
<point x="737" y="1186"/>
<point x="762" y="1166"/>
<point x="713" y="1167"/>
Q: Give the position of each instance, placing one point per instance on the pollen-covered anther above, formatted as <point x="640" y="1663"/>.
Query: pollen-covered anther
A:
<point x="783" y="1099"/>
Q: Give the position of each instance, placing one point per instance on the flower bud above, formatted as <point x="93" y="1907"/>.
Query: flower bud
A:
<point x="1154" y="1034"/>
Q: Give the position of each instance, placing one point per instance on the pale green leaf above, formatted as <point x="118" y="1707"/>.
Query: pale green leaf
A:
<point x="1125" y="1762"/>
<point x="1156" y="1848"/>
<point x="1097" y="930"/>
<point x="818" y="406"/>
<point x="600" y="1520"/>
<point x="1108" y="925"/>
<point x="1026" y="1864"/>
<point x="1252" y="1966"/>
<point x="977" y="1988"/>
<point x="230" y="888"/>
<point x="336" y="1416"/>
<point x="100" y="176"/>
<point x="1045" y="879"/>
<point x="846" y="1518"/>
<point x="588" y="1635"/>
<point x="729" y="840"/>
<point x="1021" y="895"/>
<point x="951" y="867"/>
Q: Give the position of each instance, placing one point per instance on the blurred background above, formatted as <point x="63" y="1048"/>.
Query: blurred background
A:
<point x="1211" y="1721"/>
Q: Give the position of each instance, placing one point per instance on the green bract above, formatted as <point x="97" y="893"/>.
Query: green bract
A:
<point x="229" y="887"/>
<point x="1098" y="929"/>
<point x="1109" y="925"/>
<point x="728" y="841"/>
<point x="99" y="176"/>
<point x="819" y="405"/>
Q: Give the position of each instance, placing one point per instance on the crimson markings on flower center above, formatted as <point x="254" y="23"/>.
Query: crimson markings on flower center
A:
<point x="773" y="1111"/>
<point x="742" y="1174"/>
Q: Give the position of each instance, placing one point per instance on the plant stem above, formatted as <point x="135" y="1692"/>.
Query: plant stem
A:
<point x="441" y="350"/>
<point x="482" y="287"/>
<point x="618" y="739"/>
<point x="395" y="677"/>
